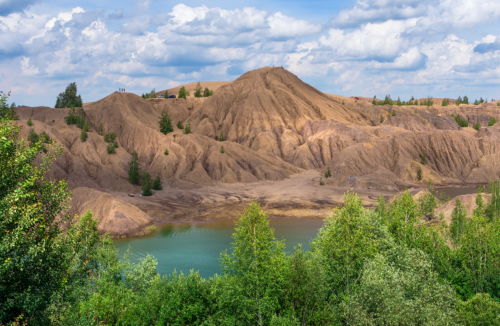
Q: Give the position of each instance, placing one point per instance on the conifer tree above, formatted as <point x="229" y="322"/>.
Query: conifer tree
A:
<point x="466" y="100"/>
<point x="180" y="125"/>
<point x="83" y="136"/>
<point x="29" y="123"/>
<point x="422" y="158"/>
<point x="157" y="184"/>
<point x="165" y="123"/>
<point x="419" y="174"/>
<point x="146" y="184"/>
<point x="134" y="170"/>
<point x="207" y="92"/>
<point x="100" y="130"/>
<point x="187" y="129"/>
<point x="221" y="137"/>
<point x="222" y="149"/>
<point x="197" y="92"/>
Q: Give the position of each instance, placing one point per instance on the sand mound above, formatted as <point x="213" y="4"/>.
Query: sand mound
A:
<point x="214" y="86"/>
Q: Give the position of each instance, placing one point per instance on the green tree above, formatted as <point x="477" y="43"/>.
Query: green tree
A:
<point x="492" y="210"/>
<point x="86" y="126"/>
<point x="445" y="102"/>
<point x="207" y="92"/>
<point x="381" y="119"/>
<point x="187" y="128"/>
<point x="110" y="137"/>
<point x="458" y="221"/>
<point x="197" y="92"/>
<point x="33" y="137"/>
<point x="422" y="158"/>
<point x="156" y="185"/>
<point x="134" y="169"/>
<point x="69" y="98"/>
<point x="179" y="125"/>
<point x="33" y="263"/>
<point x="479" y="310"/>
<point x="111" y="148"/>
<point x="492" y="120"/>
<point x="100" y="130"/>
<point x="165" y="123"/>
<point x="166" y="152"/>
<point x="29" y="123"/>
<point x="146" y="184"/>
<point x="466" y="100"/>
<point x="6" y="112"/>
<point x="183" y="92"/>
<point x="419" y="174"/>
<point x="83" y="136"/>
<point x="476" y="125"/>
<point x="256" y="267"/>
<point x="165" y="95"/>
<point x="222" y="149"/>
<point x="221" y="137"/>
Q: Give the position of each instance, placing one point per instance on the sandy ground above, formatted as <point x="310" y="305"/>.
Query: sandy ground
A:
<point x="300" y="196"/>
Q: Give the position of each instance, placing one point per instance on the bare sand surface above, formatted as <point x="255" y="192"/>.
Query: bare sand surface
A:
<point x="299" y="196"/>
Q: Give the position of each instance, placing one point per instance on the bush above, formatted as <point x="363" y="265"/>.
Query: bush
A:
<point x="419" y="174"/>
<point x="100" y="130"/>
<point x="83" y="136"/>
<point x="422" y="158"/>
<point x="134" y="169"/>
<point x="461" y="122"/>
<point x="481" y="309"/>
<point x="157" y="183"/>
<point x="180" y="125"/>
<point x="381" y="119"/>
<point x="165" y="123"/>
<point x="33" y="136"/>
<point x="207" y="92"/>
<point x="393" y="113"/>
<point x="343" y="102"/>
<point x="183" y="92"/>
<point x="111" y="148"/>
<point x="151" y="94"/>
<point x="86" y="126"/>
<point x="446" y="102"/>
<point x="221" y="137"/>
<point x="110" y="137"/>
<point x="146" y="184"/>
<point x="150" y="229"/>
<point x="165" y="152"/>
<point x="197" y="92"/>
<point x="29" y="123"/>
<point x="321" y="183"/>
<point x="44" y="137"/>
<point x="187" y="129"/>
<point x="476" y="125"/>
<point x="492" y="120"/>
<point x="328" y="173"/>
<point x="222" y="149"/>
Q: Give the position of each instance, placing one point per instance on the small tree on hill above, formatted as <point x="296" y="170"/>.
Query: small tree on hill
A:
<point x="134" y="170"/>
<point x="180" y="125"/>
<point x="445" y="102"/>
<point x="466" y="100"/>
<point x="165" y="123"/>
<point x="476" y="125"/>
<point x="166" y="93"/>
<point x="419" y="174"/>
<point x="69" y="98"/>
<point x="197" y="92"/>
<point x="187" y="129"/>
<point x="221" y="137"/>
<point x="83" y="136"/>
<point x="492" y="120"/>
<point x="165" y="152"/>
<point x="222" y="149"/>
<point x="146" y="184"/>
<point x="422" y="158"/>
<point x="207" y="92"/>
<point x="183" y="92"/>
<point x="29" y="123"/>
<point x="157" y="184"/>
<point x="33" y="137"/>
<point x="100" y="130"/>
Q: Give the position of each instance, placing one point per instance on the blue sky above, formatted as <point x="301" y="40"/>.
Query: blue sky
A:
<point x="439" y="48"/>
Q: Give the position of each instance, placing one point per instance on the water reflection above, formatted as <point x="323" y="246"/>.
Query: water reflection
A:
<point x="198" y="245"/>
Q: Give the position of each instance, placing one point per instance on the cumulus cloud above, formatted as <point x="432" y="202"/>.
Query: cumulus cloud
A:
<point x="10" y="6"/>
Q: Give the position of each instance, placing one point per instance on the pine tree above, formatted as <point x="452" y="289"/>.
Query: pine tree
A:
<point x="422" y="158"/>
<point x="466" y="100"/>
<point x="100" y="130"/>
<point x="179" y="125"/>
<point x="445" y="102"/>
<point x="134" y="170"/>
<point x="157" y="184"/>
<point x="29" y="123"/>
<point x="83" y="136"/>
<point x="419" y="174"/>
<point x="166" y="94"/>
<point x="165" y="123"/>
<point x="476" y="102"/>
<point x="146" y="184"/>
<point x="221" y="137"/>
<point x="165" y="152"/>
<point x="222" y="149"/>
<point x="33" y="136"/>
<point x="197" y="92"/>
<point x="187" y="129"/>
<point x="207" y="92"/>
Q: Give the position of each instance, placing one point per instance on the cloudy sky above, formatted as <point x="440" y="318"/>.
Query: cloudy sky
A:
<point x="440" y="48"/>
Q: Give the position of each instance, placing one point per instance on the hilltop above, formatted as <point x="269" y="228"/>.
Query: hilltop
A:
<point x="281" y="135"/>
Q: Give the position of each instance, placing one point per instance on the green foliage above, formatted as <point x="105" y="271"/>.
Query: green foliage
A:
<point x="343" y="102"/>
<point x="460" y="121"/>
<point x="156" y="185"/>
<point x="476" y="125"/>
<point x="6" y="112"/>
<point x="387" y="100"/>
<point x="197" y="92"/>
<point x="83" y="136"/>
<point x="328" y="173"/>
<point x="166" y="152"/>
<point x="151" y="94"/>
<point x="458" y="221"/>
<point x="183" y="92"/>
<point x="256" y="267"/>
<point x="134" y="169"/>
<point x="422" y="158"/>
<point x="207" y="92"/>
<point x="86" y="126"/>
<point x="428" y="102"/>
<point x="69" y="99"/>
<point x="150" y="229"/>
<point x="146" y="184"/>
<point x="221" y="137"/>
<point x="321" y="183"/>
<point x="222" y="149"/>
<point x="165" y="123"/>
<point x="44" y="138"/>
<point x="381" y="119"/>
<point x="445" y="102"/>
<point x="393" y="113"/>
<point x="33" y="136"/>
<point x="419" y="174"/>
<point x="110" y="137"/>
<point x="492" y="210"/>
<point x="111" y="148"/>
<point x="29" y="123"/>
<point x="179" y="125"/>
<point x="479" y="310"/>
<point x="492" y="120"/>
<point x="187" y="129"/>
<point x="100" y="130"/>
<point x="476" y="102"/>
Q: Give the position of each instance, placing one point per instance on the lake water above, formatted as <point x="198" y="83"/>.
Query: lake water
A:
<point x="198" y="245"/>
<point x="453" y="191"/>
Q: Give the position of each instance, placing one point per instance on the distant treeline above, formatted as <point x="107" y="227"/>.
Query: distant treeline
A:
<point x="426" y="102"/>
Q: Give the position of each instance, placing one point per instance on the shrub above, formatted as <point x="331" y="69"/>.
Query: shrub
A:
<point x="165" y="123"/>
<point x="100" y="130"/>
<point x="222" y="149"/>
<point x="328" y="173"/>
<point x="151" y="94"/>
<point x="492" y="120"/>
<point x="110" y="137"/>
<point x="221" y="137"/>
<point x="381" y="118"/>
<point x="415" y="110"/>
<point x="343" y="102"/>
<point x="207" y="92"/>
<point x="150" y="229"/>
<point x="446" y="102"/>
<point x="183" y="92"/>
<point x="86" y="126"/>
<point x="111" y="149"/>
<point x="498" y="103"/>
<point x="44" y="137"/>
<point x="476" y="125"/>
<point x="394" y="113"/>
<point x="134" y="169"/>
<point x="460" y="121"/>
<point x="83" y="136"/>
<point x="197" y="92"/>
<point x="157" y="183"/>
<point x="165" y="152"/>
<point x="422" y="158"/>
<point x="419" y="174"/>
<point x="29" y="123"/>
<point x="321" y="183"/>
<point x="146" y="184"/>
<point x="33" y="136"/>
<point x="180" y="125"/>
<point x="187" y="129"/>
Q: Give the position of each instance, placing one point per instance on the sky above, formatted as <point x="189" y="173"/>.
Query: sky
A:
<point x="439" y="48"/>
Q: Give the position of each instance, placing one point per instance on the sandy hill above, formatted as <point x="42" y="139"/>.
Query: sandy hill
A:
<point x="275" y="128"/>
<point x="214" y="86"/>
